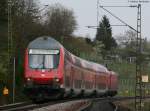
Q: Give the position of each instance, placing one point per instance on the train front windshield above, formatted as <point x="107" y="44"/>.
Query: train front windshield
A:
<point x="43" y="59"/>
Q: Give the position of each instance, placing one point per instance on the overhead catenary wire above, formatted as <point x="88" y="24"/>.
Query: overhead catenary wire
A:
<point x="125" y="24"/>
<point x="120" y="6"/>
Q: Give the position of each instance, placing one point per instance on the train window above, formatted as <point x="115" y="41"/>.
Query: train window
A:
<point x="49" y="61"/>
<point x="67" y="80"/>
<point x="43" y="61"/>
<point x="78" y="83"/>
<point x="36" y="61"/>
<point x="88" y="84"/>
<point x="77" y="61"/>
<point x="101" y="86"/>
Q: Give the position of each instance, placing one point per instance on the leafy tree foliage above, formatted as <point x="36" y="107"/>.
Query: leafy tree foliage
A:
<point x="60" y="21"/>
<point x="3" y="23"/>
<point x="104" y="34"/>
<point x="25" y="16"/>
<point x="3" y="10"/>
<point x="127" y="44"/>
<point x="98" y="49"/>
<point x="88" y="40"/>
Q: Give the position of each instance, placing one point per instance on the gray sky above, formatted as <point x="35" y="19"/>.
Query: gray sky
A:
<point x="86" y="15"/>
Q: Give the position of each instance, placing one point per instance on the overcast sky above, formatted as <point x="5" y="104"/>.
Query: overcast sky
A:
<point x="86" y="15"/>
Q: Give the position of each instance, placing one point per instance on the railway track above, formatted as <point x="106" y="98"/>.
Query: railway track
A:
<point x="15" y="106"/>
<point x="117" y="98"/>
<point x="25" y="106"/>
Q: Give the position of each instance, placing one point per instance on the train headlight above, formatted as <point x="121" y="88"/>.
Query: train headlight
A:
<point x="29" y="82"/>
<point x="28" y="79"/>
<point x="57" y="80"/>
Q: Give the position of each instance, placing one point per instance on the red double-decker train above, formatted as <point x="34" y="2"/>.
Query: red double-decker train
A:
<point x="50" y="71"/>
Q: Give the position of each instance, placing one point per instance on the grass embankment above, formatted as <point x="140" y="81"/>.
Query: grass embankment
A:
<point x="126" y="73"/>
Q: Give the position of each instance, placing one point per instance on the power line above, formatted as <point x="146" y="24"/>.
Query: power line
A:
<point x="124" y="23"/>
<point x="120" y="6"/>
<point x="118" y="17"/>
<point x="10" y="45"/>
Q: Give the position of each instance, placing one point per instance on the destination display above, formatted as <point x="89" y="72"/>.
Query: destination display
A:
<point x="42" y="51"/>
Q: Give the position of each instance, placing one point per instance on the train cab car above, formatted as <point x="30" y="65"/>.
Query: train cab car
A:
<point x="43" y="69"/>
<point x="50" y="71"/>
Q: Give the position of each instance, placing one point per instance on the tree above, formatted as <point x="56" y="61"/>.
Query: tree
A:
<point x="3" y="10"/>
<point x="127" y="44"/>
<point x="60" y="21"/>
<point x="98" y="49"/>
<point x="3" y="24"/>
<point x="88" y="40"/>
<point x="104" y="34"/>
<point x="25" y="17"/>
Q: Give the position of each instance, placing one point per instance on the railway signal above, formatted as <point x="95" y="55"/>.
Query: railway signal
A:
<point x="145" y="79"/>
<point x="5" y="91"/>
<point x="5" y="94"/>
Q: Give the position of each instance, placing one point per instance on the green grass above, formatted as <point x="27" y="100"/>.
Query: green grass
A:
<point x="145" y="105"/>
<point x="126" y="74"/>
<point x="124" y="69"/>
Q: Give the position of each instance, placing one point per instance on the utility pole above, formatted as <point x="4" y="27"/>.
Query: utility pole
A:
<point x="9" y="31"/>
<point x="139" y="96"/>
<point x="10" y="46"/>
<point x="98" y="2"/>
<point x="14" y="79"/>
<point x="139" y="85"/>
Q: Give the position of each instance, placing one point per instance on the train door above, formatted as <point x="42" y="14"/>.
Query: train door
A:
<point x="95" y="81"/>
<point x="67" y="74"/>
<point x="72" y="77"/>
<point x="82" y="80"/>
<point x="109" y="81"/>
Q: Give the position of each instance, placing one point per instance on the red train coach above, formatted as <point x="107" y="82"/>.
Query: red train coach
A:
<point x="52" y="71"/>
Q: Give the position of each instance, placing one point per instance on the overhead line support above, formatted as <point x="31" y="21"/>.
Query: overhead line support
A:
<point x="118" y="17"/>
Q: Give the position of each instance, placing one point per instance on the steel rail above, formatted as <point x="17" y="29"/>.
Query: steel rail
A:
<point x="24" y="106"/>
<point x="10" y="106"/>
<point x="29" y="105"/>
<point x="113" y="99"/>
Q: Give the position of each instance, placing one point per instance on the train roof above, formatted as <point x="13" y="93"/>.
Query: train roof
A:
<point x="91" y="65"/>
<point x="44" y="42"/>
<point x="84" y="63"/>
